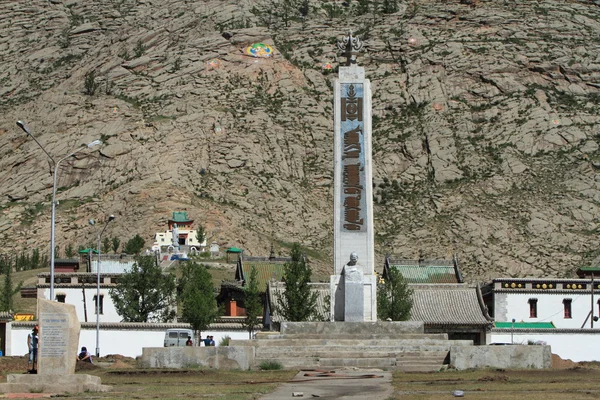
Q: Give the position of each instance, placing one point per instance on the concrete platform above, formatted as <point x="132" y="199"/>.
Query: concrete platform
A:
<point x="55" y="384"/>
<point x="337" y="384"/>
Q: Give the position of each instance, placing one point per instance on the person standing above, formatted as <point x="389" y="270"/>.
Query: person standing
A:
<point x="189" y="341"/>
<point x="32" y="345"/>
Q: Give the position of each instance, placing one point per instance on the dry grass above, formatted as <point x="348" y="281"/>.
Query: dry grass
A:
<point x="190" y="383"/>
<point x="552" y="384"/>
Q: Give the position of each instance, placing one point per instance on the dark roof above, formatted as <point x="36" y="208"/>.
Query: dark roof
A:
<point x="276" y="289"/>
<point x="425" y="271"/>
<point x="448" y="305"/>
<point x="66" y="261"/>
<point x="266" y="272"/>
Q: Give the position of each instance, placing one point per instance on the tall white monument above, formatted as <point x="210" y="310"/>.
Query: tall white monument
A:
<point x="353" y="285"/>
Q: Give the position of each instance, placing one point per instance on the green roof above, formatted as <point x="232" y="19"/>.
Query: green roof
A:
<point x="180" y="216"/>
<point x="590" y="268"/>
<point x="234" y="250"/>
<point x="524" y="325"/>
<point x="427" y="273"/>
<point x="87" y="251"/>
<point x="265" y="271"/>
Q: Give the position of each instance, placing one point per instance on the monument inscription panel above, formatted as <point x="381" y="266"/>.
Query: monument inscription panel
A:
<point x="55" y="342"/>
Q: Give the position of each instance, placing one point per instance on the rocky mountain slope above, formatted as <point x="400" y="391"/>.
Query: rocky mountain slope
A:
<point x="485" y="125"/>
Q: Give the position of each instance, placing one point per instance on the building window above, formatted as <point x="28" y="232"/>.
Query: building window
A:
<point x="532" y="308"/>
<point x="101" y="304"/>
<point x="567" y="307"/>
<point x="60" y="297"/>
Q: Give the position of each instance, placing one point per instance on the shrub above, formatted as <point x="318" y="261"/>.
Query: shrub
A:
<point x="90" y="84"/>
<point x="224" y="341"/>
<point x="270" y="365"/>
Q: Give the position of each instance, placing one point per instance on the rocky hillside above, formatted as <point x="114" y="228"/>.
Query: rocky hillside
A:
<point x="485" y="125"/>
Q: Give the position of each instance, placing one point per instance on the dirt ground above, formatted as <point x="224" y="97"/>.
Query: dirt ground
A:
<point x="16" y="365"/>
<point x="12" y="365"/>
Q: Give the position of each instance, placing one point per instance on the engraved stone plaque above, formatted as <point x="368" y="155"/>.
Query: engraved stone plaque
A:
<point x="59" y="338"/>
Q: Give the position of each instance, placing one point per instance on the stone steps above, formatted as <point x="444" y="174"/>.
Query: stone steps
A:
<point x="389" y="336"/>
<point x="320" y="350"/>
<point x="391" y="345"/>
<point x="350" y="342"/>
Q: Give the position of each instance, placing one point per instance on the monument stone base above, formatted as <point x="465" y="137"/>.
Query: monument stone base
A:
<point x="56" y="384"/>
<point x="353" y="300"/>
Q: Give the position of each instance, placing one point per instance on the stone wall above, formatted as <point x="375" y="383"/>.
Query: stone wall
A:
<point x="508" y="356"/>
<point x="231" y="357"/>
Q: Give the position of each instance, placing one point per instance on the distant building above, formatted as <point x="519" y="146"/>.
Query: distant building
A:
<point x="183" y="227"/>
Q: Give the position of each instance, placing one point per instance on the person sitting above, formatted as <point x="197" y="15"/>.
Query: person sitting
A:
<point x="85" y="355"/>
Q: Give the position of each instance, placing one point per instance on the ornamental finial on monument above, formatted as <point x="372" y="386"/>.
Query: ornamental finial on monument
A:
<point x="350" y="47"/>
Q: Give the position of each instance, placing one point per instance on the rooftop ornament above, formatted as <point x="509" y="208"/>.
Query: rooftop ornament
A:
<point x="350" y="47"/>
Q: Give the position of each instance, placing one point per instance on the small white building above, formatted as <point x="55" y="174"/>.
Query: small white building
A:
<point x="562" y="313"/>
<point x="80" y="290"/>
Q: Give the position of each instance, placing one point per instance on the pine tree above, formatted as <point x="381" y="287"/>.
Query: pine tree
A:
<point x="394" y="298"/>
<point x="200" y="234"/>
<point x="252" y="303"/>
<point x="144" y="294"/>
<point x="298" y="302"/>
<point x="116" y="242"/>
<point x="198" y="298"/>
<point x="106" y="245"/>
<point x="134" y="245"/>
<point x="7" y="293"/>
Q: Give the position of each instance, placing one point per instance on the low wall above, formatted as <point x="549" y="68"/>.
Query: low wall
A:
<point x="570" y="344"/>
<point x="126" y="339"/>
<point x="226" y="357"/>
<point x="509" y="357"/>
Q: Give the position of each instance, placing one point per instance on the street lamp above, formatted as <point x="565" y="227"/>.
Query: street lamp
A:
<point x="92" y="222"/>
<point x="21" y="125"/>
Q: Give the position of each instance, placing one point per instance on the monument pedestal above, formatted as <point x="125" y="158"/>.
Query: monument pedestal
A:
<point x="56" y="384"/>
<point x="353" y="300"/>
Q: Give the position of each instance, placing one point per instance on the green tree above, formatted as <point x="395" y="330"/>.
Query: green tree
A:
<point x="298" y="302"/>
<point x="69" y="251"/>
<point x="134" y="245"/>
<point x="200" y="234"/>
<point x="106" y="245"/>
<point x="252" y="303"/>
<point x="198" y="298"/>
<point x="116" y="242"/>
<point x="8" y="291"/>
<point x="394" y="298"/>
<point x="145" y="294"/>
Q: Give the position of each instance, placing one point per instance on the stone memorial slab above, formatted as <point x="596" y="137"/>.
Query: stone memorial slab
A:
<point x="59" y="338"/>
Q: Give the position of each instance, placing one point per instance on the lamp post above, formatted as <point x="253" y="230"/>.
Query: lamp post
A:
<point x="110" y="218"/>
<point x="512" y="331"/>
<point x="56" y="164"/>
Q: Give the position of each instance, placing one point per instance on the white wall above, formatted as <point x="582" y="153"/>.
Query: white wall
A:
<point x="550" y="308"/>
<point x="112" y="341"/>
<point x="568" y="345"/>
<point x="75" y="297"/>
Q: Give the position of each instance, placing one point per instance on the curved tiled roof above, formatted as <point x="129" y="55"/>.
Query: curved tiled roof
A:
<point x="447" y="305"/>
